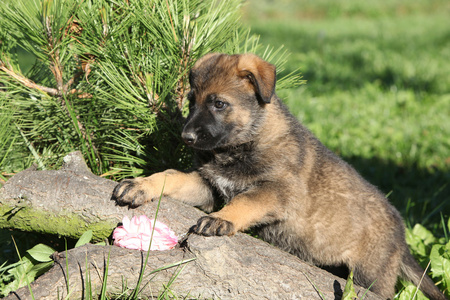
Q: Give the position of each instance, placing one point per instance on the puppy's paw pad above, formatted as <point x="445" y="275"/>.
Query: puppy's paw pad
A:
<point x="210" y="226"/>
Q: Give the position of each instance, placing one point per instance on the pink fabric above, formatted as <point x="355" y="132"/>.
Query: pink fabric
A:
<point x="136" y="234"/>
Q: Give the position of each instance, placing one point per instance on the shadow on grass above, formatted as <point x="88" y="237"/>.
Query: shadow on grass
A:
<point x="26" y="241"/>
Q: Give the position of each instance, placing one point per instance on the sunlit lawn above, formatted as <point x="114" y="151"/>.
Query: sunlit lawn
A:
<point x="377" y="92"/>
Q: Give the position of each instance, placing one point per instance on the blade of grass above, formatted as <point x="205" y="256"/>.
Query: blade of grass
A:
<point x="26" y="277"/>
<point x="105" y="277"/>
<point x="367" y="290"/>
<point x="420" y="282"/>
<point x="444" y="227"/>
<point x="32" y="149"/>
<point x="67" y="268"/>
<point x="136" y="290"/>
<point x="172" y="279"/>
<point x="315" y="287"/>
<point x="85" y="141"/>
<point x="88" y="285"/>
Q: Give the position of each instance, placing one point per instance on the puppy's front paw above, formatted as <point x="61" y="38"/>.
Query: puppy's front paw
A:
<point x="209" y="225"/>
<point x="132" y="192"/>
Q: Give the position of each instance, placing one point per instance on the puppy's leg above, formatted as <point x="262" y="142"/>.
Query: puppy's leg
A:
<point x="381" y="272"/>
<point x="245" y="210"/>
<point x="185" y="187"/>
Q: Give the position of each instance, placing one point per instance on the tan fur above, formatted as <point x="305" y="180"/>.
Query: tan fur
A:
<point x="186" y="187"/>
<point x="272" y="173"/>
<point x="247" y="210"/>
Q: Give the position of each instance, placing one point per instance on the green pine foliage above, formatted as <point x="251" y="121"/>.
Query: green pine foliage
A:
<point x="110" y="78"/>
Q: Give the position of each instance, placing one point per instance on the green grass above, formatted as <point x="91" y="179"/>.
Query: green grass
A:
<point x="377" y="92"/>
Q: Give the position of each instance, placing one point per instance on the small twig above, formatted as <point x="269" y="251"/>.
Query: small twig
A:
<point x="53" y="54"/>
<point x="27" y="82"/>
<point x="32" y="85"/>
<point x="57" y="70"/>
<point x="80" y="94"/>
<point x="54" y="57"/>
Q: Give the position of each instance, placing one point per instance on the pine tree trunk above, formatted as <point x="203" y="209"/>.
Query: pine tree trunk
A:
<point x="71" y="200"/>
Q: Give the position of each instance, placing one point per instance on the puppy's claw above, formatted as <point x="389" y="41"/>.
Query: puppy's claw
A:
<point x="127" y="192"/>
<point x="209" y="226"/>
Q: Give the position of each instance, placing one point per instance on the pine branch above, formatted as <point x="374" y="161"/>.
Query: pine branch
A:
<point x="27" y="82"/>
<point x="186" y="49"/>
<point x="137" y="57"/>
<point x="55" y="65"/>
<point x="32" y="85"/>
<point x="71" y="81"/>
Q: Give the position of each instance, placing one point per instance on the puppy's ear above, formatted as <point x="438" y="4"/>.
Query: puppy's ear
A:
<point x="261" y="74"/>
<point x="207" y="61"/>
<point x="205" y="58"/>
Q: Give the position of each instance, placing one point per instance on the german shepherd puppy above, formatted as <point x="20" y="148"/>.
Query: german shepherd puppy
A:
<point x="274" y="174"/>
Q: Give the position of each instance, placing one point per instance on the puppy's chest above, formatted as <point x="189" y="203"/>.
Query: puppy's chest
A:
<point x="227" y="187"/>
<point x="230" y="175"/>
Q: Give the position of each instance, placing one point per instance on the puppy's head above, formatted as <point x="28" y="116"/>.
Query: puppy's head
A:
<point x="227" y="99"/>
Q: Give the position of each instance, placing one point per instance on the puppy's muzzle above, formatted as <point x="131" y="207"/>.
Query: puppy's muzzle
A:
<point x="189" y="138"/>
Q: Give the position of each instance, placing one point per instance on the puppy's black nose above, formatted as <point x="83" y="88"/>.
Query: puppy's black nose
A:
<point x="189" y="137"/>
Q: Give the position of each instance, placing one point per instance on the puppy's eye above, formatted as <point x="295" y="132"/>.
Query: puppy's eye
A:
<point x="219" y="104"/>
